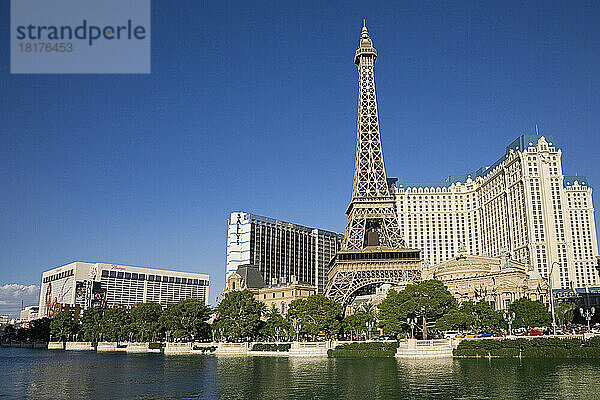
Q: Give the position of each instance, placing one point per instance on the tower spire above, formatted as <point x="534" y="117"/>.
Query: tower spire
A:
<point x="372" y="251"/>
<point x="372" y="218"/>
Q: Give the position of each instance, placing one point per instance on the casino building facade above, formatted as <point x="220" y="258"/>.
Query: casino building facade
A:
<point x="281" y="250"/>
<point x="80" y="285"/>
<point x="522" y="206"/>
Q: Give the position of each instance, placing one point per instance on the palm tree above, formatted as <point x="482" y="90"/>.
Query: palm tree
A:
<point x="565" y="312"/>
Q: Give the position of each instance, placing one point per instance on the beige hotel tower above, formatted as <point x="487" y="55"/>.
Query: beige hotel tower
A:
<point x="522" y="206"/>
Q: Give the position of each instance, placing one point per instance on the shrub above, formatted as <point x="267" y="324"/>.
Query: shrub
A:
<point x="206" y="349"/>
<point x="364" y="349"/>
<point x="530" y="348"/>
<point x="361" y="353"/>
<point x="377" y="346"/>
<point x="271" y="347"/>
<point x="156" y="345"/>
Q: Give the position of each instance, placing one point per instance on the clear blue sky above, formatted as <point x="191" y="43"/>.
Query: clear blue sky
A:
<point x="252" y="106"/>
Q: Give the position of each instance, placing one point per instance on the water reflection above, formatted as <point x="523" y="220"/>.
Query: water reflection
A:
<point x="40" y="374"/>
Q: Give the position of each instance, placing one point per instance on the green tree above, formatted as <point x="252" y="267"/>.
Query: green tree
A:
<point x="530" y="314"/>
<point x="276" y="325"/>
<point x="186" y="319"/>
<point x="471" y="315"/>
<point x="239" y="316"/>
<point x="483" y="315"/>
<point x="429" y="298"/>
<point x="145" y="322"/>
<point x="10" y="333"/>
<point x="115" y="324"/>
<point x="37" y="329"/>
<point x="362" y="321"/>
<point x="565" y="312"/>
<point x="355" y="324"/>
<point x="40" y="329"/>
<point x="63" y="326"/>
<point x="486" y="316"/>
<point x="455" y="319"/>
<point x="91" y="323"/>
<point x="316" y="314"/>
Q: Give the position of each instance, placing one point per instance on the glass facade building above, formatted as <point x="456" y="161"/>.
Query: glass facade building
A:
<point x="281" y="250"/>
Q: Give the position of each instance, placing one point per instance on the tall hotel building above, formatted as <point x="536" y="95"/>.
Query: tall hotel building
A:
<point x="522" y="205"/>
<point x="82" y="285"/>
<point x="280" y="250"/>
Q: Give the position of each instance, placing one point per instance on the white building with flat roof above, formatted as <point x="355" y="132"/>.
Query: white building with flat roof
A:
<point x="80" y="285"/>
<point x="29" y="313"/>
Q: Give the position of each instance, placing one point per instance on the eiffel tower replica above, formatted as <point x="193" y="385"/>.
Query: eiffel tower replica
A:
<point x="373" y="251"/>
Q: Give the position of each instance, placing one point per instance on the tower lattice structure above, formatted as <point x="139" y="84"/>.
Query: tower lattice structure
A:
<point x="372" y="216"/>
<point x="373" y="250"/>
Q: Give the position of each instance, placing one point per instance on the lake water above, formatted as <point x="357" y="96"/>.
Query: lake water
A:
<point x="43" y="374"/>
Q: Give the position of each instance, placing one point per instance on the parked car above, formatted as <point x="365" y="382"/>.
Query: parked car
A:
<point x="487" y="334"/>
<point x="451" y="334"/>
<point x="535" y="333"/>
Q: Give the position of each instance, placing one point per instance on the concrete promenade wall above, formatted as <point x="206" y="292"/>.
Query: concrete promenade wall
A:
<point x="79" y="346"/>
<point x="107" y="346"/>
<point x="26" y="345"/>
<point x="413" y="348"/>
<point x="232" y="349"/>
<point x="134" y="347"/>
<point x="178" y="348"/>
<point x="56" y="346"/>
<point x="310" y="349"/>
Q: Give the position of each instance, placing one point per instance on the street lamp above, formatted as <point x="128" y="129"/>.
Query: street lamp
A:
<point x="509" y="317"/>
<point x="277" y="330"/>
<point x="369" y="325"/>
<point x="552" y="296"/>
<point x="412" y="322"/>
<point x="297" y="326"/>
<point x="588" y="313"/>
